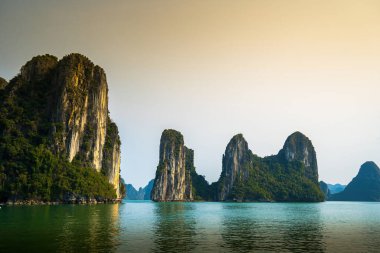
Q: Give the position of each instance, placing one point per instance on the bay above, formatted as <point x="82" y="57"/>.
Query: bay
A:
<point x="145" y="226"/>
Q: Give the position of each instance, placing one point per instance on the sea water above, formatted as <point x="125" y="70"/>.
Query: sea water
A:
<point x="145" y="226"/>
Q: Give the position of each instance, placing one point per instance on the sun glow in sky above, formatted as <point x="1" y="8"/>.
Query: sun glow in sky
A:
<point x="214" y="68"/>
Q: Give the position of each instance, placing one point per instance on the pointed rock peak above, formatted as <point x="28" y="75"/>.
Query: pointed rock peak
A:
<point x="238" y="140"/>
<point x="173" y="136"/>
<point x="298" y="147"/>
<point x="369" y="169"/>
<point x="237" y="145"/>
<point x="38" y="67"/>
<point x="3" y="83"/>
<point x="297" y="137"/>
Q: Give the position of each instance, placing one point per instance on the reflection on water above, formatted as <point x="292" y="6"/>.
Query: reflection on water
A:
<point x="306" y="234"/>
<point x="241" y="234"/>
<point x="90" y="228"/>
<point x="174" y="227"/>
<point x="192" y="227"/>
<point x="278" y="227"/>
<point x="65" y="228"/>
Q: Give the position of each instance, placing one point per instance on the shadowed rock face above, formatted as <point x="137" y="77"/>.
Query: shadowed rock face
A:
<point x="364" y="187"/>
<point x="298" y="147"/>
<point x="235" y="157"/>
<point x="173" y="179"/>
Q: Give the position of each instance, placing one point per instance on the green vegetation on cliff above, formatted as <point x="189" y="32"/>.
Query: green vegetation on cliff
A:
<point x="30" y="166"/>
<point x="271" y="180"/>
<point x="292" y="175"/>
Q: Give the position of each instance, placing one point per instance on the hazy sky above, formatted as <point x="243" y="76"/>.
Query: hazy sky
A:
<point x="211" y="69"/>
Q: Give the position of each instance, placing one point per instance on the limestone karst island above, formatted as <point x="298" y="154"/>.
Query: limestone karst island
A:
<point x="57" y="141"/>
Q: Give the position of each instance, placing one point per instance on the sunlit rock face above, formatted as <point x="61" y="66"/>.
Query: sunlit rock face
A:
<point x="77" y="94"/>
<point x="82" y="108"/>
<point x="173" y="179"/>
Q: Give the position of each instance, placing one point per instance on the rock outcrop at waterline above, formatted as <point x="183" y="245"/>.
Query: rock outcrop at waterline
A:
<point x="58" y="109"/>
<point x="173" y="178"/>
<point x="292" y="175"/>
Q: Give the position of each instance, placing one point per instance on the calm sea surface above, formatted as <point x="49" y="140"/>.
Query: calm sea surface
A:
<point x="144" y="226"/>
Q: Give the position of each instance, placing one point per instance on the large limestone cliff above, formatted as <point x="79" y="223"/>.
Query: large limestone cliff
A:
<point x="76" y="114"/>
<point x="81" y="109"/>
<point x="173" y="179"/>
<point x="235" y="157"/>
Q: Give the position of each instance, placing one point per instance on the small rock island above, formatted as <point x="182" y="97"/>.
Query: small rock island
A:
<point x="173" y="179"/>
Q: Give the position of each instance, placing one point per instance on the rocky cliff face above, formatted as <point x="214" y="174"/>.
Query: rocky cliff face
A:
<point x="173" y="179"/>
<point x="82" y="124"/>
<point x="364" y="187"/>
<point x="74" y="118"/>
<point x="236" y="156"/>
<point x="111" y="156"/>
<point x="298" y="147"/>
<point x="81" y="109"/>
<point x="292" y="175"/>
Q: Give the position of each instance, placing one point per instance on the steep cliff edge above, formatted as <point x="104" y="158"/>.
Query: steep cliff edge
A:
<point x="364" y="187"/>
<point x="58" y="109"/>
<point x="292" y="175"/>
<point x="173" y="179"/>
<point x="234" y="165"/>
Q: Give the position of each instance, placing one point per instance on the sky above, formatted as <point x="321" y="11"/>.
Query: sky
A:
<point x="214" y="68"/>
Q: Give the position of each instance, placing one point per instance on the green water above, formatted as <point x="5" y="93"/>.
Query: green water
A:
<point x="198" y="227"/>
